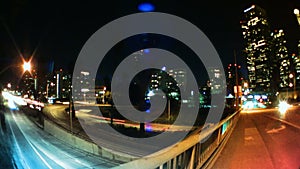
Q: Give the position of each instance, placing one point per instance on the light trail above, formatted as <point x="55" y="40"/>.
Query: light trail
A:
<point x="20" y="158"/>
<point x="23" y="161"/>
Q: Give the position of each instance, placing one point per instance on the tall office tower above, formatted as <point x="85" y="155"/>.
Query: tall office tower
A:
<point x="28" y="84"/>
<point x="284" y="62"/>
<point x="216" y="80"/>
<point x="169" y="81"/>
<point x="233" y="77"/>
<point x="296" y="65"/>
<point x="257" y="43"/>
<point x="297" y="56"/>
<point x="85" y="91"/>
<point x="59" y="84"/>
<point x="63" y="84"/>
<point x="180" y="76"/>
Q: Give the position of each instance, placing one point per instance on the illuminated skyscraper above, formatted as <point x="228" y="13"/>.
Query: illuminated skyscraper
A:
<point x="179" y="75"/>
<point x="28" y="84"/>
<point x="284" y="62"/>
<point x="216" y="80"/>
<point x="257" y="42"/>
<point x="231" y="77"/>
<point x="59" y="84"/>
<point x="168" y="80"/>
<point x="85" y="92"/>
<point x="296" y="61"/>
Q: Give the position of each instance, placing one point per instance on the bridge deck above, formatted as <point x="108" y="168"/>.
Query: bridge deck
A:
<point x="261" y="141"/>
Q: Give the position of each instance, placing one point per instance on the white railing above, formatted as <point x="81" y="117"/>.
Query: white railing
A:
<point x="193" y="152"/>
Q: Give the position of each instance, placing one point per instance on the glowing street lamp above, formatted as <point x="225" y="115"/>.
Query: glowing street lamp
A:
<point x="297" y="13"/>
<point x="26" y="66"/>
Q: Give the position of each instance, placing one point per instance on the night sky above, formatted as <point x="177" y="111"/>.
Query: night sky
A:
<point x="56" y="31"/>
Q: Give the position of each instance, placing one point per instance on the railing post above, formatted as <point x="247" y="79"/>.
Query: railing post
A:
<point x="174" y="162"/>
<point x="191" y="163"/>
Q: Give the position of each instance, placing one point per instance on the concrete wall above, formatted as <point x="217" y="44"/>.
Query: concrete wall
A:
<point x="82" y="144"/>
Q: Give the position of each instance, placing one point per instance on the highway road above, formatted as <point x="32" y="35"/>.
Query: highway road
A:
<point x="97" y="126"/>
<point x="263" y="139"/>
<point x="24" y="145"/>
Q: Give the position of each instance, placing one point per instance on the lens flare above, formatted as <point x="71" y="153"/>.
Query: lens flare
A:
<point x="283" y="107"/>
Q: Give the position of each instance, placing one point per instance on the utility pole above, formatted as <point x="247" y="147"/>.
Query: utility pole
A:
<point x="71" y="109"/>
<point x="70" y="112"/>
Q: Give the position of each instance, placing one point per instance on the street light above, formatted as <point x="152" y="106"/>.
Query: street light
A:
<point x="26" y="66"/>
<point x="297" y="13"/>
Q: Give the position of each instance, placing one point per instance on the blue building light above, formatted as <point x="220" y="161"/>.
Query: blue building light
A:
<point x="146" y="7"/>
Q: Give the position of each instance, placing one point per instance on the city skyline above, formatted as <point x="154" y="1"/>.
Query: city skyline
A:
<point x="59" y="38"/>
<point x="203" y="85"/>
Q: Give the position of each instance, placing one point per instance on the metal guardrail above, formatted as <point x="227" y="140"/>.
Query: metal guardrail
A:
<point x="192" y="152"/>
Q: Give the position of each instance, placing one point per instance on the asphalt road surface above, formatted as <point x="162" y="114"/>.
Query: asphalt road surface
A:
<point x="24" y="145"/>
<point x="263" y="139"/>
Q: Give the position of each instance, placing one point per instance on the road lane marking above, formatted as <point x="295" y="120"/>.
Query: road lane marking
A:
<point x="249" y="138"/>
<point x="276" y="130"/>
<point x="284" y="121"/>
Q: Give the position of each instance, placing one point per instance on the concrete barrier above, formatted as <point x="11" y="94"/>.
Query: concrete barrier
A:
<point x="84" y="145"/>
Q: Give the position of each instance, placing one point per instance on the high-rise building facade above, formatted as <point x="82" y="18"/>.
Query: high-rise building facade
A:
<point x="296" y="64"/>
<point x="85" y="92"/>
<point x="216" y="80"/>
<point x="59" y="85"/>
<point x="28" y="85"/>
<point x="284" y="62"/>
<point x="257" y="42"/>
<point x="168" y="81"/>
<point x="233" y="77"/>
<point x="296" y="70"/>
